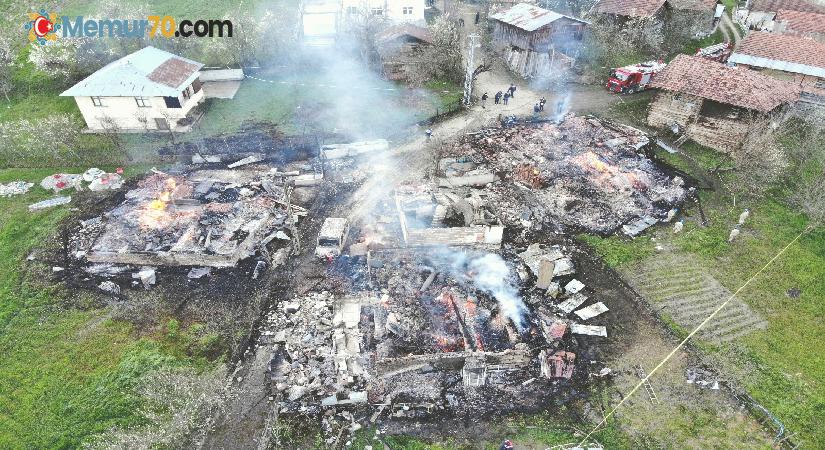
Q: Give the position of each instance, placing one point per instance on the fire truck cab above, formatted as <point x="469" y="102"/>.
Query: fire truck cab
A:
<point x="633" y="78"/>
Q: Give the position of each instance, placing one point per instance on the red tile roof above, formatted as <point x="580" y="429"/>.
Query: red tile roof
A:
<point x="406" y="29"/>
<point x="173" y="72"/>
<point x="801" y="21"/>
<point x="631" y="8"/>
<point x="783" y="47"/>
<point x="794" y="5"/>
<point x="715" y="81"/>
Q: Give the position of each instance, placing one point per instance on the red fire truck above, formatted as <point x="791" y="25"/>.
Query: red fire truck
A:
<point x="634" y="78"/>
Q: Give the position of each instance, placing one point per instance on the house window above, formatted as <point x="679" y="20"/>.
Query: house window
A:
<point x="377" y="12"/>
<point x="352" y="10"/>
<point x="97" y="101"/>
<point x="142" y="102"/>
<point x="820" y="84"/>
<point x="172" y="102"/>
<point x="407" y="10"/>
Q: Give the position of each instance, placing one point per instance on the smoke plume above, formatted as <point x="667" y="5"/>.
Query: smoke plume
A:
<point x="489" y="273"/>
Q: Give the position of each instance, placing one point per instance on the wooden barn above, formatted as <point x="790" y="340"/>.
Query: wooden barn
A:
<point x="400" y="47"/>
<point x="537" y="42"/>
<point x="715" y="105"/>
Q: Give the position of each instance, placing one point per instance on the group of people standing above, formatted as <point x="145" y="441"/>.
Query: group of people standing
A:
<point x="539" y="107"/>
<point x="504" y="97"/>
<point x="500" y="96"/>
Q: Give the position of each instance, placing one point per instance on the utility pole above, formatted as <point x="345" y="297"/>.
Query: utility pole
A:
<point x="468" y="76"/>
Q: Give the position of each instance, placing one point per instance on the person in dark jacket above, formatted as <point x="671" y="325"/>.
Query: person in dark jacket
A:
<point x="478" y="17"/>
<point x="513" y="91"/>
<point x="484" y="100"/>
<point x="498" y="97"/>
<point x="506" y="97"/>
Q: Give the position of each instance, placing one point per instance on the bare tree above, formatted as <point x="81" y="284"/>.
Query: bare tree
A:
<point x="8" y="61"/>
<point x="443" y="60"/>
<point x="112" y="131"/>
<point x="807" y="154"/>
<point x="760" y="162"/>
<point x="171" y="121"/>
<point x="363" y="27"/>
<point x="180" y="407"/>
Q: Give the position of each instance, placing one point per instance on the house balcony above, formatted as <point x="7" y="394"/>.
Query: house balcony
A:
<point x="179" y="107"/>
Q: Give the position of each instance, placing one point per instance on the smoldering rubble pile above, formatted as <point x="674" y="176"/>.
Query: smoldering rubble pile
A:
<point x="208" y="218"/>
<point x="448" y="332"/>
<point x="583" y="172"/>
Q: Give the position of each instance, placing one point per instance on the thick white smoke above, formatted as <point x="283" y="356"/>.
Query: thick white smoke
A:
<point x="489" y="273"/>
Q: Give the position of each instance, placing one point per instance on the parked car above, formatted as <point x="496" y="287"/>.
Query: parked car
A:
<point x="332" y="237"/>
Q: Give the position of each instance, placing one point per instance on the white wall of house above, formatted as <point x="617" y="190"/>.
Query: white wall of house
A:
<point x="129" y="116"/>
<point x="397" y="11"/>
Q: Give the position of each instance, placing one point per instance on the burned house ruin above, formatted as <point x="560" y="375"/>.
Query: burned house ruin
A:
<point x="582" y="173"/>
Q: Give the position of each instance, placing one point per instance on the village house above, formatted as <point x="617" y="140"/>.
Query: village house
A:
<point x="399" y="47"/>
<point x="323" y="20"/>
<point x="536" y="41"/>
<point x="800" y="23"/>
<point x="762" y="14"/>
<point x="148" y="90"/>
<point x="715" y="105"/>
<point x="320" y="20"/>
<point x="686" y="18"/>
<point x="789" y="57"/>
<point x="395" y="11"/>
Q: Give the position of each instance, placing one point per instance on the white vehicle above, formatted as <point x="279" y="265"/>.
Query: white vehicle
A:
<point x="332" y="236"/>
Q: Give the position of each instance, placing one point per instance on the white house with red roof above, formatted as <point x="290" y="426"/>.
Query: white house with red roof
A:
<point x="150" y="89"/>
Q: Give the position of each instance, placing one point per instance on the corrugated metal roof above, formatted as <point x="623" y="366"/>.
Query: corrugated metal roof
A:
<point x="784" y="52"/>
<point x="530" y="17"/>
<point x="148" y="72"/>
<point x="768" y="63"/>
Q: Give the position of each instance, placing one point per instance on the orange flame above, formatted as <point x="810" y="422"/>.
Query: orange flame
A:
<point x="155" y="215"/>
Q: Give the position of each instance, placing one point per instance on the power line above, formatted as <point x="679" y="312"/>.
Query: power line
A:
<point x="687" y="338"/>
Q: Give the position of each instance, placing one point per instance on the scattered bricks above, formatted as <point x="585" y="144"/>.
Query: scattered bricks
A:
<point x="146" y="277"/>
<point x="110" y="287"/>
<point x="545" y="275"/>
<point x="529" y="175"/>
<point x="49" y="203"/>
<point x="574" y="286"/>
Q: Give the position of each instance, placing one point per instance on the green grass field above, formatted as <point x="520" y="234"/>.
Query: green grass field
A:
<point x="66" y="370"/>
<point x="780" y="367"/>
